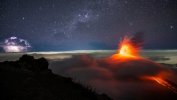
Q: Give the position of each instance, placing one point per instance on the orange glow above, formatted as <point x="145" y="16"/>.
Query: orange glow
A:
<point x="162" y="82"/>
<point x="126" y="49"/>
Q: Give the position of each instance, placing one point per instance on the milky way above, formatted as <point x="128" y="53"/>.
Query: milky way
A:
<point x="89" y="24"/>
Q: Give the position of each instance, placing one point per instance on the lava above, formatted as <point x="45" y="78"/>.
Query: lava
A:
<point x="162" y="82"/>
<point x="128" y="57"/>
<point x="127" y="49"/>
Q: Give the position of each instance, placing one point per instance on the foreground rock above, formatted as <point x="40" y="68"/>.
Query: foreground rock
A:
<point x="30" y="79"/>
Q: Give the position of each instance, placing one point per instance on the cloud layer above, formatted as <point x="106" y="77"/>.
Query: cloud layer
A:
<point x="121" y="79"/>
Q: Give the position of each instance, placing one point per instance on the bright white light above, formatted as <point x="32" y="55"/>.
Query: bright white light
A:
<point x="14" y="48"/>
<point x="15" y="44"/>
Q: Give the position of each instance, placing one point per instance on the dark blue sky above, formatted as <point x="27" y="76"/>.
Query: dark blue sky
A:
<point x="88" y="24"/>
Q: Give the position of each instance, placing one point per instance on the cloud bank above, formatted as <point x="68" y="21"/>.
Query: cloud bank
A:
<point x="121" y="79"/>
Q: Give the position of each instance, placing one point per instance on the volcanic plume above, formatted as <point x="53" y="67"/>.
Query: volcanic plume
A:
<point x="129" y="47"/>
<point x="129" y="64"/>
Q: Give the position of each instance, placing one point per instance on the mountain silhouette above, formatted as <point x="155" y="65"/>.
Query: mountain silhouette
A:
<point x="30" y="79"/>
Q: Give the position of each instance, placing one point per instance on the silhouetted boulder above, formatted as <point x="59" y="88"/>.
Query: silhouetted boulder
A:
<point x="26" y="58"/>
<point x="35" y="65"/>
<point x="27" y="62"/>
<point x="42" y="64"/>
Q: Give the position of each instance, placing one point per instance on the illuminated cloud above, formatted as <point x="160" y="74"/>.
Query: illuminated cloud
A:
<point x="15" y="44"/>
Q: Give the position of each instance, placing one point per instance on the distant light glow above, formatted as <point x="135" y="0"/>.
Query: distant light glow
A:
<point x="15" y="44"/>
<point x="13" y="48"/>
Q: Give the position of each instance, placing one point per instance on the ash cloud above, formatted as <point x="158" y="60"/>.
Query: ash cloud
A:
<point x="138" y="39"/>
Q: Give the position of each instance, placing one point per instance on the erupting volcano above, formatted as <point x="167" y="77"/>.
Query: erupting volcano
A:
<point x="129" y="47"/>
<point x="129" y="64"/>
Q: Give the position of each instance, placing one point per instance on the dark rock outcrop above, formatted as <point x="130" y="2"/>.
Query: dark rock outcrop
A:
<point x="30" y="79"/>
<point x="29" y="63"/>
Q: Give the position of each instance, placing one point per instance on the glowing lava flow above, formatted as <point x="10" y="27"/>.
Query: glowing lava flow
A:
<point x="162" y="82"/>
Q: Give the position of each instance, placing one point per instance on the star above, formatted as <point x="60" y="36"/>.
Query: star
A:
<point x="171" y="27"/>
<point x="40" y="8"/>
<point x="23" y="18"/>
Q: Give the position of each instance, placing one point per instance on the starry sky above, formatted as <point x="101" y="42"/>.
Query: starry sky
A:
<point x="51" y="25"/>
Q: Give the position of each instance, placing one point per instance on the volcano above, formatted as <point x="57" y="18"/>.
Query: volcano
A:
<point x="128" y="64"/>
<point x="129" y="48"/>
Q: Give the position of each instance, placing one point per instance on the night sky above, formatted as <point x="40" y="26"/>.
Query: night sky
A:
<point x="53" y="25"/>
